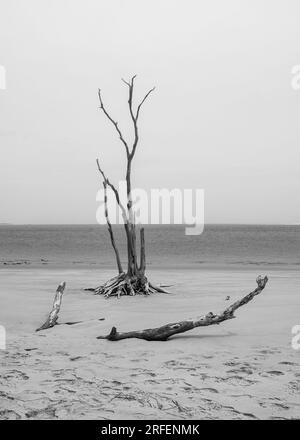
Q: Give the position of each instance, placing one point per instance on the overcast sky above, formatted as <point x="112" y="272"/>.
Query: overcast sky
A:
<point x="223" y="117"/>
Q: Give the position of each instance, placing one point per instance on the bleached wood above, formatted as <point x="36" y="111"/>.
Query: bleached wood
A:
<point x="164" y="332"/>
<point x="53" y="315"/>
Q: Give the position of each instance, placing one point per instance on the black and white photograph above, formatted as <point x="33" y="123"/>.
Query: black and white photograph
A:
<point x="149" y="212"/>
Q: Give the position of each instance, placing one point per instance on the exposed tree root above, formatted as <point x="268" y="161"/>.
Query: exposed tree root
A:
<point x="164" y="332"/>
<point x="123" y="284"/>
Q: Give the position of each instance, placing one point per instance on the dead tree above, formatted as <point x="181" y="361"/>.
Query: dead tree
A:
<point x="164" y="332"/>
<point x="133" y="280"/>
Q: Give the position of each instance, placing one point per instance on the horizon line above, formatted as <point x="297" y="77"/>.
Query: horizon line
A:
<point x="149" y="224"/>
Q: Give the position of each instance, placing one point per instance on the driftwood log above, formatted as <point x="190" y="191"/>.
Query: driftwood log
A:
<point x="164" y="332"/>
<point x="53" y="315"/>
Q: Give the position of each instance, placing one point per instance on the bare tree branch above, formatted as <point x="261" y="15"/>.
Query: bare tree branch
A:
<point x="134" y="117"/>
<point x="107" y="181"/>
<point x="130" y="243"/>
<point x="113" y="122"/>
<point x="126" y="82"/>
<point x="135" y="127"/>
<point x="164" y="332"/>
<point x="110" y="230"/>
<point x="142" y="102"/>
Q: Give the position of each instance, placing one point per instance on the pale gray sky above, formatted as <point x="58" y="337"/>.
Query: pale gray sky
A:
<point x="224" y="116"/>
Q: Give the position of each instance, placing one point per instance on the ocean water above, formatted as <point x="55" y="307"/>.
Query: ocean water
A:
<point x="88" y="246"/>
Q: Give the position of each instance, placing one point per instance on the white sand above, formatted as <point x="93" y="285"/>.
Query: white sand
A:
<point x="242" y="369"/>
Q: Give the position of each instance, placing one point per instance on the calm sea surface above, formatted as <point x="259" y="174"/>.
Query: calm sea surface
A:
<point x="225" y="246"/>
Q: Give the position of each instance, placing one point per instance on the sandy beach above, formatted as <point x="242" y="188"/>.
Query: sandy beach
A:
<point x="149" y="145"/>
<point x="242" y="369"/>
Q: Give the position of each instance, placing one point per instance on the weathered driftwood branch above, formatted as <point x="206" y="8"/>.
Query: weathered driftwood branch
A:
<point x="158" y="288"/>
<point x="53" y="315"/>
<point x="164" y="332"/>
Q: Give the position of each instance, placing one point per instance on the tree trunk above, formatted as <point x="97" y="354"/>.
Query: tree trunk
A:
<point x="142" y="267"/>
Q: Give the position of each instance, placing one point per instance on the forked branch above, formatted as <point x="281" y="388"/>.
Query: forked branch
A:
<point x="115" y="124"/>
<point x="168" y="330"/>
<point x="135" y="115"/>
<point x="142" y="102"/>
